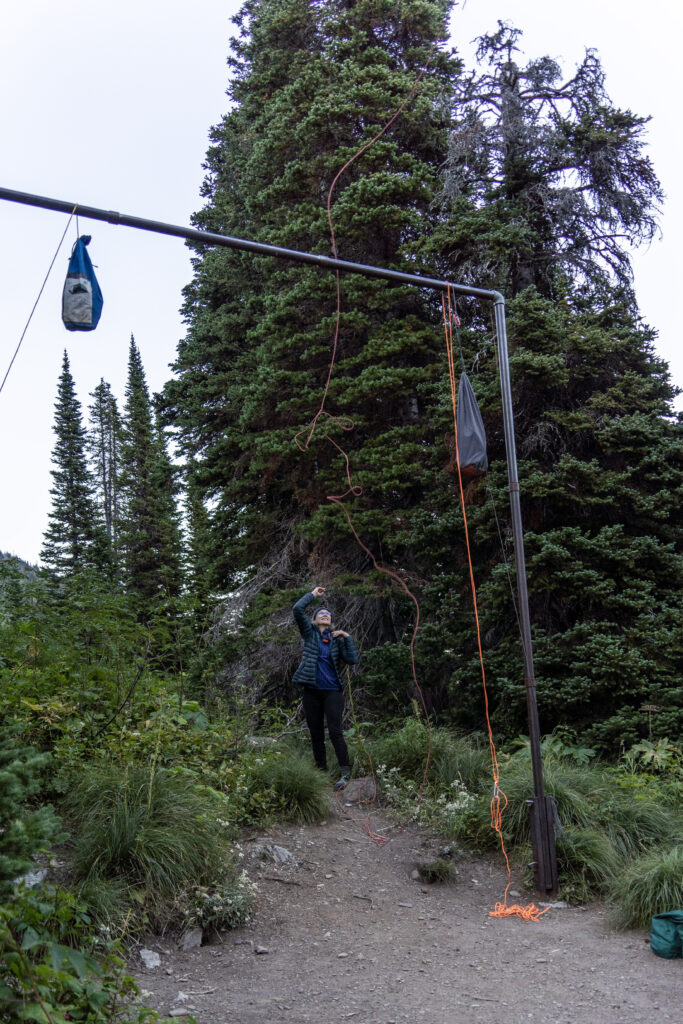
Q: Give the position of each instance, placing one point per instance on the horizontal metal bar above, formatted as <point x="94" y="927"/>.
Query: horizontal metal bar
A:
<point x="209" y="238"/>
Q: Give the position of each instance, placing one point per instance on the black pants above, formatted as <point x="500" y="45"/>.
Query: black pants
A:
<point x="318" y="706"/>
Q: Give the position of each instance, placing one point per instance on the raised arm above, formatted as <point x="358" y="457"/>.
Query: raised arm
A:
<point x="300" y="617"/>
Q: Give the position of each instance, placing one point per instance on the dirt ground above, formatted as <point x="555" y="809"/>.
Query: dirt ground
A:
<point x="342" y="931"/>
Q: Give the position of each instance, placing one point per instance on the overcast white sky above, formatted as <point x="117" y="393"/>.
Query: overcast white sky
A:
<point x="110" y="104"/>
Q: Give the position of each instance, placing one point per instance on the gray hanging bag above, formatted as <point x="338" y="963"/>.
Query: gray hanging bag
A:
<point x="471" y="433"/>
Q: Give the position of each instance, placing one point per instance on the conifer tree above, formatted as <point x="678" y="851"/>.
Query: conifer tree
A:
<point x="72" y="541"/>
<point x="547" y="182"/>
<point x="543" y="178"/>
<point x="198" y="573"/>
<point x="104" y="441"/>
<point x="546" y="178"/>
<point x="311" y="85"/>
<point x="149" y="535"/>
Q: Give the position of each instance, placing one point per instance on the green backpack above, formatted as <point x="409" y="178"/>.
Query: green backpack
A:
<point x="666" y="934"/>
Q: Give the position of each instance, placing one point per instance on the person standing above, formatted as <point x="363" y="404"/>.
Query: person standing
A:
<point x="323" y="651"/>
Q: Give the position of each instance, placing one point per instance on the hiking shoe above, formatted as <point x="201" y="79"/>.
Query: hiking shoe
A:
<point x="343" y="781"/>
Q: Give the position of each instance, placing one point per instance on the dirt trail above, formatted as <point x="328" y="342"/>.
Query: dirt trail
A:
<point x="346" y="934"/>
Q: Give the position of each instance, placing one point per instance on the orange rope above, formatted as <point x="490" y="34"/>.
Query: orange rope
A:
<point x="498" y="800"/>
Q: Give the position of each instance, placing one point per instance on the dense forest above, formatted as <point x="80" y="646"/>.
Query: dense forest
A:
<point x="156" y="644"/>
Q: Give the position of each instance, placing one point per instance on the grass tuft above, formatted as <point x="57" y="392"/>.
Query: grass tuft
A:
<point x="651" y="884"/>
<point x="439" y="870"/>
<point x="297" y="787"/>
<point x="147" y="835"/>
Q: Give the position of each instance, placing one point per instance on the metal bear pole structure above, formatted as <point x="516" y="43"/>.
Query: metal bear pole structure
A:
<point x="542" y="811"/>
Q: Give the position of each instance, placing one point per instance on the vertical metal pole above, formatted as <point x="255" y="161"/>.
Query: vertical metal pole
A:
<point x="542" y="829"/>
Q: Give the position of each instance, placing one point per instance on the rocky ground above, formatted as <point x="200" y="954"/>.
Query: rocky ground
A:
<point x="344" y="931"/>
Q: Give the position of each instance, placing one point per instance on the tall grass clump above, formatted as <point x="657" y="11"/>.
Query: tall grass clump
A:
<point x="147" y="835"/>
<point x="451" y="757"/>
<point x="605" y="823"/>
<point x="292" y="787"/>
<point x="651" y="884"/>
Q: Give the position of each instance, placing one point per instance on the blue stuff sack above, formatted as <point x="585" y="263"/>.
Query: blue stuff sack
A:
<point x="666" y="935"/>
<point x="81" y="298"/>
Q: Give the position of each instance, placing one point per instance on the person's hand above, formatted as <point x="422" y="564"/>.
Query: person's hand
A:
<point x="339" y="632"/>
<point x="318" y="591"/>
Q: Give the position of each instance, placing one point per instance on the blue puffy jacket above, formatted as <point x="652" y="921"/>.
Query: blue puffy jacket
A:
<point x="341" y="648"/>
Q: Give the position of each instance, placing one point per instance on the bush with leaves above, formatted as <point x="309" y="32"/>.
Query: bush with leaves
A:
<point x="51" y="970"/>
<point x="149" y="834"/>
<point x="616" y="822"/>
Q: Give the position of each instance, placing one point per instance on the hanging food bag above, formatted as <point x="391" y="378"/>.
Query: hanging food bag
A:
<point x="81" y="298"/>
<point x="471" y="433"/>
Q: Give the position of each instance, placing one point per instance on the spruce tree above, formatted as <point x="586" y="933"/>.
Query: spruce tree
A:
<point x="541" y="178"/>
<point x="149" y="535"/>
<point x="546" y="178"/>
<point x="546" y="183"/>
<point x="72" y="541"/>
<point x="311" y="85"/>
<point x="104" y="441"/>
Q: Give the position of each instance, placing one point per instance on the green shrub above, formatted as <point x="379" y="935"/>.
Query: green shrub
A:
<point x="404" y="749"/>
<point x="48" y="971"/>
<point x="587" y="862"/>
<point x="605" y="822"/>
<point x="220" y="907"/>
<point x="295" y="788"/>
<point x="24" y="831"/>
<point x="637" y="822"/>
<point x="151" y="832"/>
<point x="451" y="757"/>
<point x="651" y="884"/>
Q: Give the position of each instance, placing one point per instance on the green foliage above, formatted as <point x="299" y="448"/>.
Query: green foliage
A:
<point x="219" y="907"/>
<point x="104" y="448"/>
<point x="588" y="862"/>
<point x="74" y="539"/>
<point x="149" y="829"/>
<point x="149" y="529"/>
<point x="25" y="830"/>
<point x="48" y="971"/>
<point x="651" y="884"/>
<point x="660" y="756"/>
<point x="451" y="757"/>
<point x="546" y="178"/>
<point x="292" y="785"/>
<point x="610" y="818"/>
<point x="439" y="870"/>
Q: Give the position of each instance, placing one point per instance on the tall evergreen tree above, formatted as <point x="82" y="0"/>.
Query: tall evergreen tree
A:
<point x="543" y="178"/>
<point x="546" y="184"/>
<point x="73" y="538"/>
<point x="104" y="441"/>
<point x="546" y="177"/>
<point x="311" y="85"/>
<point x="150" y="536"/>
